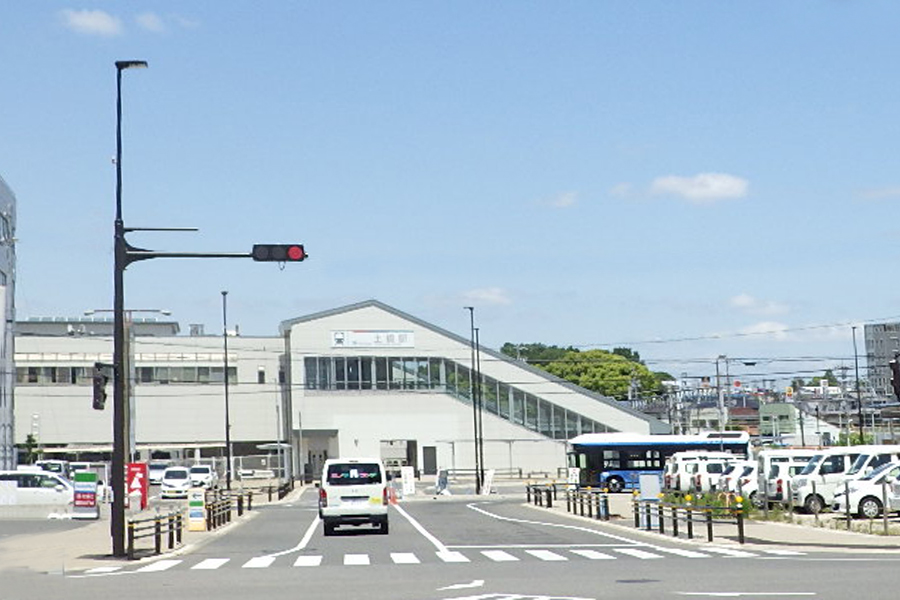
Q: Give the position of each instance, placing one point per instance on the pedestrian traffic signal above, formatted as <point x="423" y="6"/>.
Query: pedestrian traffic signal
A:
<point x="895" y="377"/>
<point x="100" y="380"/>
<point x="278" y="252"/>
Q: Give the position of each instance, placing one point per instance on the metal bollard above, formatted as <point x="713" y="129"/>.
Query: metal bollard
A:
<point x="690" y="521"/>
<point x="740" y="522"/>
<point x="157" y="530"/>
<point x="528" y="494"/>
<point x="660" y="515"/>
<point x="674" y="521"/>
<point x="709" y="527"/>
<point x="597" y="500"/>
<point x="568" y="501"/>
<point x="590" y="503"/>
<point x="549" y="499"/>
<point x="637" y="518"/>
<point x="604" y="504"/>
<point x="554" y="490"/>
<point x="171" y="524"/>
<point x="179" y="527"/>
<point x="240" y="504"/>
<point x="130" y="540"/>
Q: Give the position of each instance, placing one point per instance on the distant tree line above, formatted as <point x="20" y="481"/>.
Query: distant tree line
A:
<point x="620" y="374"/>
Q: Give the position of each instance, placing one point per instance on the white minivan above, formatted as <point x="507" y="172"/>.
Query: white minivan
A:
<point x="776" y="468"/>
<point x="35" y="487"/>
<point x="813" y="489"/>
<point x="870" y="458"/>
<point x="353" y="491"/>
<point x="696" y="471"/>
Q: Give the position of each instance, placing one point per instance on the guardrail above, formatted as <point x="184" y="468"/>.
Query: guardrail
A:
<point x="170" y="524"/>
<point x="652" y="515"/>
<point x="590" y="502"/>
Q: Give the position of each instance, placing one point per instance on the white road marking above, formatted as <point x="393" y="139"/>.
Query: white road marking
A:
<point x="308" y="561"/>
<point x="784" y="552"/>
<point x="730" y="552"/>
<point x="160" y="565"/>
<point x="463" y="586"/>
<point x="404" y="558"/>
<point x="102" y="570"/>
<point x="210" y="563"/>
<point x="452" y="557"/>
<point x="499" y="556"/>
<point x="437" y="543"/>
<point x="546" y="555"/>
<point x="682" y="552"/>
<point x="304" y="541"/>
<point x="258" y="562"/>
<point x="356" y="559"/>
<point x="559" y="525"/>
<point x="638" y="553"/>
<point x="593" y="554"/>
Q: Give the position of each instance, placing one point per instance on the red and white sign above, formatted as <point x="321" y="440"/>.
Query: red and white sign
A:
<point x="137" y="482"/>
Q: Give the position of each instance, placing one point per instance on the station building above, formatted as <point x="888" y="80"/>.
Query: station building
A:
<point x="364" y="379"/>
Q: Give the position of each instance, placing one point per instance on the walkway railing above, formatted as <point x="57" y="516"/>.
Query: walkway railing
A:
<point x="156" y="526"/>
<point x="652" y="515"/>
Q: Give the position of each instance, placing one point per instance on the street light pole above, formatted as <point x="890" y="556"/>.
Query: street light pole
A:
<point x="471" y="310"/>
<point x="480" y="399"/>
<point x="117" y="520"/>
<point x="227" y="416"/>
<point x="858" y="394"/>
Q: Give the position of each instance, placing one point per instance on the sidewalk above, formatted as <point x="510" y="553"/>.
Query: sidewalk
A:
<point x="802" y="535"/>
<point x="81" y="545"/>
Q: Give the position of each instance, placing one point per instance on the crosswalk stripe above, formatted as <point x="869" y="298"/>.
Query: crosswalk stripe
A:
<point x="784" y="552"/>
<point x="499" y="555"/>
<point x="308" y="561"/>
<point x="356" y="559"/>
<point x="258" y="562"/>
<point x="97" y="570"/>
<point x="452" y="557"/>
<point x="546" y="555"/>
<point x="210" y="563"/>
<point x="160" y="565"/>
<point x="683" y="552"/>
<point x="593" y="554"/>
<point x="404" y="558"/>
<point x="637" y="553"/>
<point x="730" y="552"/>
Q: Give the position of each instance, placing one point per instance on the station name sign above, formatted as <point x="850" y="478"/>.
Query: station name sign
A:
<point x="373" y="338"/>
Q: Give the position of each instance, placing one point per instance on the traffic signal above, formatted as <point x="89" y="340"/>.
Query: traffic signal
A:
<point x="100" y="380"/>
<point x="278" y="252"/>
<point x="895" y="376"/>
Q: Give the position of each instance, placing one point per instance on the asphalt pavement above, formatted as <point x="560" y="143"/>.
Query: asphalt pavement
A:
<point x="59" y="546"/>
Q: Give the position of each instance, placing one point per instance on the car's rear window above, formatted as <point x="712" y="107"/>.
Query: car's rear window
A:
<point x="179" y="474"/>
<point x="353" y="473"/>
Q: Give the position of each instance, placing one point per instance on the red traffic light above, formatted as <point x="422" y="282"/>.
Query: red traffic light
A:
<point x="278" y="252"/>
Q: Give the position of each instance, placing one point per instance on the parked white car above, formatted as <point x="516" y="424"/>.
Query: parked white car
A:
<point x="176" y="483"/>
<point x="867" y="494"/>
<point x="155" y="472"/>
<point x="203" y="476"/>
<point x="36" y="487"/>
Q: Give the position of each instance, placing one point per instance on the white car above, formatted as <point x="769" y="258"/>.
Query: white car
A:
<point x="353" y="491"/>
<point x="867" y="493"/>
<point x="203" y="476"/>
<point x="176" y="482"/>
<point x="38" y="487"/>
<point x="155" y="472"/>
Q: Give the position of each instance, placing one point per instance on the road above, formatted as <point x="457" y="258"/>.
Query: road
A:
<point x="452" y="548"/>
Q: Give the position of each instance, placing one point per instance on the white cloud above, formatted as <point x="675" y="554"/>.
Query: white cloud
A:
<point x="755" y="306"/>
<point x="771" y="329"/>
<point x="702" y="188"/>
<point x="492" y="296"/>
<point x="151" y="22"/>
<point x="564" y="200"/>
<point x="621" y="190"/>
<point x="881" y="193"/>
<point x="91" y="22"/>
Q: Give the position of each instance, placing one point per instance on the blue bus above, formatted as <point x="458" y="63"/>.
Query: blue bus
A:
<point x="617" y="460"/>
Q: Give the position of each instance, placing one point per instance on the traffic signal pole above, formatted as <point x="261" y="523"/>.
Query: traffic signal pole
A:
<point x="124" y="255"/>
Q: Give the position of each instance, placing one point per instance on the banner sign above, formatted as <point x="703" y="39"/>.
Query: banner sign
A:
<point x="197" y="509"/>
<point x="85" y="505"/>
<point x="137" y="483"/>
<point x="408" y="479"/>
<point x="373" y="338"/>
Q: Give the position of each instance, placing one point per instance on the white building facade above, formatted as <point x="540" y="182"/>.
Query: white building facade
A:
<point x="7" y="341"/>
<point x="364" y="379"/>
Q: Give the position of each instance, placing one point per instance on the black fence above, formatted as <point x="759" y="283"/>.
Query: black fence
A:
<point x="158" y="526"/>
<point x="652" y="515"/>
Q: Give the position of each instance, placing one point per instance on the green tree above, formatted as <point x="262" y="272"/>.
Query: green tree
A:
<point x="32" y="452"/>
<point x="604" y="372"/>
<point x="535" y="353"/>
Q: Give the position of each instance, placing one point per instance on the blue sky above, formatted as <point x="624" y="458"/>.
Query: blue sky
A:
<point x="688" y="179"/>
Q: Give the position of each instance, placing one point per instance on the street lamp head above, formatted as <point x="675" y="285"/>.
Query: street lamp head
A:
<point x="131" y="64"/>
